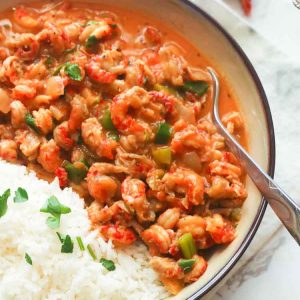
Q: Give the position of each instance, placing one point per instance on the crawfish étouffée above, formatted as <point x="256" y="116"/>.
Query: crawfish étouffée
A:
<point x="117" y="110"/>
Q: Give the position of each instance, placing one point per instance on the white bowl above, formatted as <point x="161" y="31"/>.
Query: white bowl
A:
<point x="217" y="45"/>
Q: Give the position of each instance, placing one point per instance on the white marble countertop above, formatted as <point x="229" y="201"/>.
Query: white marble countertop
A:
<point x="271" y="39"/>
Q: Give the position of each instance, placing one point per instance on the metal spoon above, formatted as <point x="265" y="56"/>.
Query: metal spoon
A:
<point x="296" y="3"/>
<point x="284" y="207"/>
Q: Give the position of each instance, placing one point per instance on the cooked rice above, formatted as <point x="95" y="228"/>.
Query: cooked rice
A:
<point x="55" y="275"/>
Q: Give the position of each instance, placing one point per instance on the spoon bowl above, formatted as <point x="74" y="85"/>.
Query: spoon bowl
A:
<point x="283" y="205"/>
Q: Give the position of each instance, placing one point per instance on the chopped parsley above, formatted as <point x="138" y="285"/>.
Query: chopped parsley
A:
<point x="53" y="221"/>
<point x="67" y="243"/>
<point x="73" y="71"/>
<point x="20" y="195"/>
<point x="61" y="236"/>
<point x="198" y="88"/>
<point x="3" y="202"/>
<point x="91" y="41"/>
<point x="28" y="259"/>
<point x="56" y="209"/>
<point x="186" y="264"/>
<point x="29" y="120"/>
<point x="108" y="264"/>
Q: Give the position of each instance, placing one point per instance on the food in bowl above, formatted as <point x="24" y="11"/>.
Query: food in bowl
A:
<point x="119" y="110"/>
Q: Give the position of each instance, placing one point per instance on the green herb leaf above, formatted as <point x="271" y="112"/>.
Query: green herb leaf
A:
<point x="29" y="120"/>
<point x="91" y="252"/>
<point x="53" y="221"/>
<point x="91" y="41"/>
<point x="80" y="243"/>
<point x="163" y="133"/>
<point x="68" y="245"/>
<point x="196" y="87"/>
<point x="3" y="202"/>
<point x="61" y="237"/>
<point x="108" y="264"/>
<point x="20" y="195"/>
<point x="186" y="264"/>
<point x="54" y="207"/>
<point x="73" y="71"/>
<point x="28" y="259"/>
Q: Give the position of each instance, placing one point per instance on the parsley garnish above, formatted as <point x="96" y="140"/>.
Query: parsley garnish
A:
<point x="108" y="264"/>
<point x="20" y="195"/>
<point x="61" y="237"/>
<point x="29" y="120"/>
<point x="91" y="41"/>
<point x="73" y="71"/>
<point x="53" y="221"/>
<point x="28" y="259"/>
<point x="67" y="243"/>
<point x="186" y="264"/>
<point x="56" y="209"/>
<point x="3" y="202"/>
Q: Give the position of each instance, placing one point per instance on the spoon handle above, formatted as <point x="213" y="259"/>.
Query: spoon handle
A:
<point x="283" y="205"/>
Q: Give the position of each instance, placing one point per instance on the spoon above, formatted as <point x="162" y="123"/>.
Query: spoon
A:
<point x="296" y="3"/>
<point x="284" y="207"/>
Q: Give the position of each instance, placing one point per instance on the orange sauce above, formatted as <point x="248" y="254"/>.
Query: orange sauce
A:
<point x="131" y="24"/>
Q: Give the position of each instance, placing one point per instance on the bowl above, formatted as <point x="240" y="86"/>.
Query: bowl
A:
<point x="229" y="59"/>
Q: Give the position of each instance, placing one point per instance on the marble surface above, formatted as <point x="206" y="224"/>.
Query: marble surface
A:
<point x="269" y="268"/>
<point x="277" y="20"/>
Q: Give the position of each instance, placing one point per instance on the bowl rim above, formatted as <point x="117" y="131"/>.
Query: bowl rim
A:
<point x="271" y="152"/>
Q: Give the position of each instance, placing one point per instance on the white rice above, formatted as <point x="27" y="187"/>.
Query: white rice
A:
<point x="55" y="275"/>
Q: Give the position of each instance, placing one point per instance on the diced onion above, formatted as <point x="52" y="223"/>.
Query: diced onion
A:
<point x="192" y="161"/>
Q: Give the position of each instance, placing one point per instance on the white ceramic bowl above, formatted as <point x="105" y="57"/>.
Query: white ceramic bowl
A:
<point x="217" y="45"/>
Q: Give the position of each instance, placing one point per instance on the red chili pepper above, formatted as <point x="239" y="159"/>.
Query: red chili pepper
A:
<point x="247" y="6"/>
<point x="62" y="176"/>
